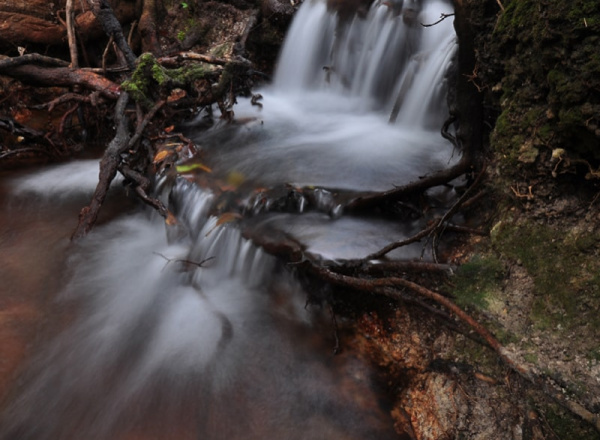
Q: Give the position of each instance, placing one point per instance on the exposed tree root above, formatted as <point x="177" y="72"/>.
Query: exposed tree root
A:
<point x="394" y="195"/>
<point x="108" y="169"/>
<point x="393" y="287"/>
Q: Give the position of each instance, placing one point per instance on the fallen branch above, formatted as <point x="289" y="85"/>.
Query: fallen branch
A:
<point x="70" y="23"/>
<point x="176" y="59"/>
<point x="18" y="129"/>
<point x="108" y="169"/>
<point x="62" y="76"/>
<point x="30" y="58"/>
<point x="393" y="195"/>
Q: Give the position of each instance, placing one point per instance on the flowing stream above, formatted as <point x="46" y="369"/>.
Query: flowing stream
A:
<point x="191" y="331"/>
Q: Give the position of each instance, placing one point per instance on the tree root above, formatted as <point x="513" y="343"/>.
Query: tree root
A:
<point x="393" y="287"/>
<point x="108" y="169"/>
<point x="441" y="177"/>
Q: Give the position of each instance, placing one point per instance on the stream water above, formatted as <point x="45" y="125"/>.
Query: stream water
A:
<point x="125" y="337"/>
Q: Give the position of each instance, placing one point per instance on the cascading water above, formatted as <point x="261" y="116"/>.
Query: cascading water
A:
<point x="194" y="332"/>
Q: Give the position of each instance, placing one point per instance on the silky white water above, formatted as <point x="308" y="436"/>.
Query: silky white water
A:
<point x="192" y="332"/>
<point x="325" y="120"/>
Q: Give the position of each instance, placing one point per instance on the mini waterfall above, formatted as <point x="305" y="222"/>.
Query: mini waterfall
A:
<point x="194" y="332"/>
<point x="387" y="60"/>
<point x="325" y="121"/>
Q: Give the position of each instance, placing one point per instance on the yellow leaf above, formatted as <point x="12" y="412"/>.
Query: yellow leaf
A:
<point x="235" y="178"/>
<point x="160" y="156"/>
<point x="228" y="217"/>
<point x="170" y="220"/>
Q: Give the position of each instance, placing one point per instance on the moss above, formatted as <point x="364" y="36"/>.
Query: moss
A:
<point x="565" y="426"/>
<point x="566" y="291"/>
<point x="222" y="50"/>
<point x="548" y="64"/>
<point x="477" y="281"/>
<point x="150" y="81"/>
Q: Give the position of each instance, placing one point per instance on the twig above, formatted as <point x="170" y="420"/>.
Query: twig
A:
<point x="142" y="184"/>
<point x="71" y="34"/>
<point x="30" y="58"/>
<point x="397" y="244"/>
<point x="142" y="125"/>
<point x="450" y="213"/>
<point x="442" y="18"/>
<point x="184" y="261"/>
<point x="9" y="153"/>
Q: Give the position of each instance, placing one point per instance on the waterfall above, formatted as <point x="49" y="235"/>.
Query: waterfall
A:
<point x="325" y="121"/>
<point x="387" y="59"/>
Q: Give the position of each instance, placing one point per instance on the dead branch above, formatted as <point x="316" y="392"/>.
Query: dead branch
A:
<point x="18" y="129"/>
<point x="112" y="162"/>
<point x="442" y="18"/>
<point x="71" y="34"/>
<point x="393" y="195"/>
<point x="63" y="76"/>
<point x="105" y="15"/>
<point x="184" y="261"/>
<point x="108" y="169"/>
<point x="142" y="125"/>
<point x="93" y="99"/>
<point x="31" y="58"/>
<point x="16" y="152"/>
<point x="441" y="224"/>
<point x="407" y="266"/>
<point x="142" y="184"/>
<point x="176" y="59"/>
<point x="390" y="287"/>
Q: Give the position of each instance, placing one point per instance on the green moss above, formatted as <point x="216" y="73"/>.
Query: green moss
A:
<point x="477" y="281"/>
<point x="150" y="81"/>
<point x="222" y="50"/>
<point x="565" y="426"/>
<point x="549" y="77"/>
<point x="566" y="279"/>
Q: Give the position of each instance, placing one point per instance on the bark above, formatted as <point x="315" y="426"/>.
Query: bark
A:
<point x="105" y="15"/>
<point x="23" y="23"/>
<point x="147" y="28"/>
<point x="108" y="169"/>
<point x="64" y="76"/>
<point x="469" y="105"/>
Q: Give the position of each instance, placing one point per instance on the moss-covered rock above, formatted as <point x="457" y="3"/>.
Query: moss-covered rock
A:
<point x="544" y="78"/>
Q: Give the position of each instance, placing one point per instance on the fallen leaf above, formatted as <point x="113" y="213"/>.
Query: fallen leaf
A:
<point x="191" y="167"/>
